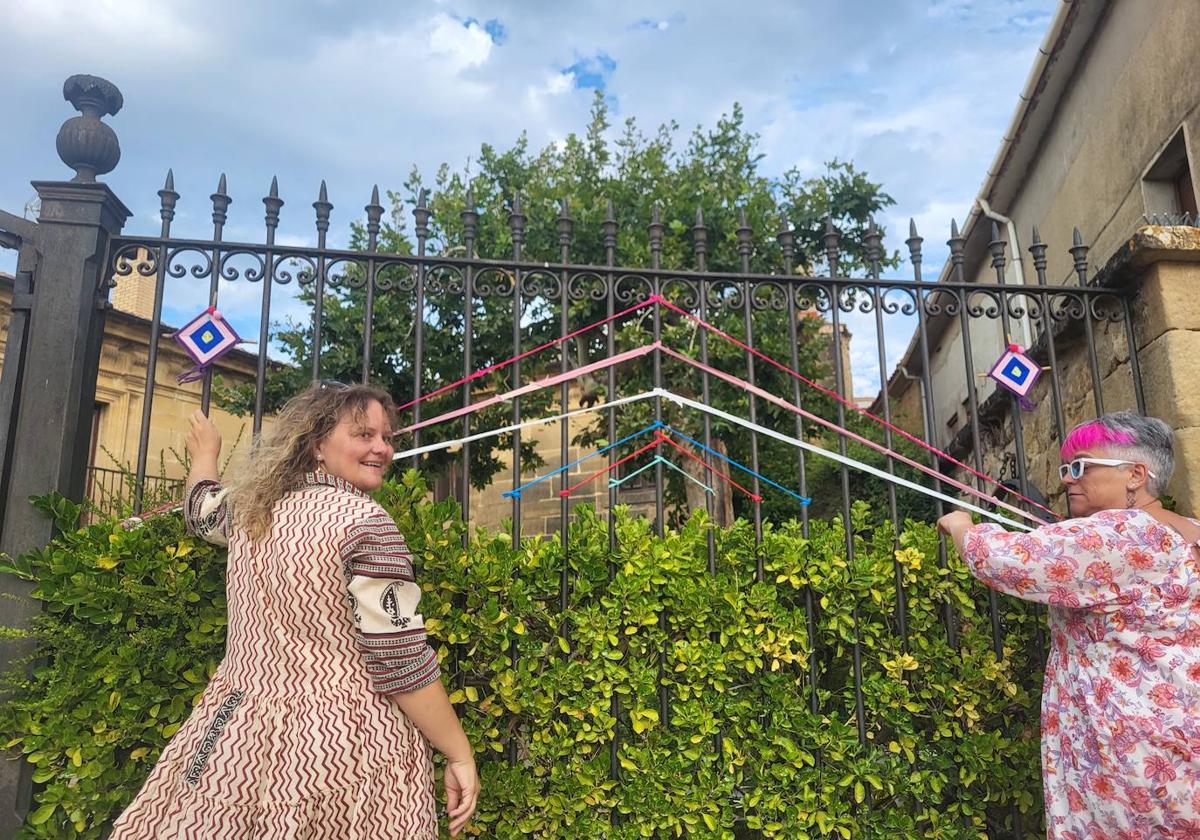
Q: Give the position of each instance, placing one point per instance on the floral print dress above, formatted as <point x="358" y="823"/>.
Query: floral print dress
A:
<point x="1121" y="702"/>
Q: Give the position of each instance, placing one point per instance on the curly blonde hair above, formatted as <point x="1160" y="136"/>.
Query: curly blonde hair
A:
<point x="278" y="463"/>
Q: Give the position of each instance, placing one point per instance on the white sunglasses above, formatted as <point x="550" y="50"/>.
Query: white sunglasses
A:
<point x="1074" y="468"/>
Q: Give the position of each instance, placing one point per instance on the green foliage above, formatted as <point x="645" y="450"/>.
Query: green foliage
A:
<point x="132" y="628"/>
<point x="951" y="734"/>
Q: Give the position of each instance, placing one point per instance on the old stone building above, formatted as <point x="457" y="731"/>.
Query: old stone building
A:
<point x="116" y="421"/>
<point x="1105" y="138"/>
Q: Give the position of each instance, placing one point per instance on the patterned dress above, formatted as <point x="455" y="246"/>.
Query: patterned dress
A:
<point x="1121" y="703"/>
<point x="295" y="735"/>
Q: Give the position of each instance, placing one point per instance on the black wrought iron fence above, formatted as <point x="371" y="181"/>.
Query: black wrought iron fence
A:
<point x="113" y="493"/>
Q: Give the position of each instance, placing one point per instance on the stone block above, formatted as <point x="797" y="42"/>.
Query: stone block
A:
<point x="1185" y="484"/>
<point x="1170" y="367"/>
<point x="1167" y="300"/>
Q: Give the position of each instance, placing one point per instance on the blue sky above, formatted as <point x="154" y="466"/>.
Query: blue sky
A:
<point x="916" y="92"/>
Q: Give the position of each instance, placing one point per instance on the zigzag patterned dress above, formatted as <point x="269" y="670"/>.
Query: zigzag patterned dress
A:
<point x="295" y="735"/>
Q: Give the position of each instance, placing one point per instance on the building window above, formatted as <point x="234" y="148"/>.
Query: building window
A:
<point x="1168" y="190"/>
<point x="640" y="481"/>
<point x="98" y="410"/>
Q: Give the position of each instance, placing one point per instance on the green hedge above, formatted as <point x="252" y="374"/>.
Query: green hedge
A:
<point x="134" y="624"/>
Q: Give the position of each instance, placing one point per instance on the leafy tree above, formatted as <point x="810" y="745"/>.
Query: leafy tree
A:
<point x="713" y="179"/>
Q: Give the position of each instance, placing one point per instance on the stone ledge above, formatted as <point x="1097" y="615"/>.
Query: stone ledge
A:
<point x="1149" y="244"/>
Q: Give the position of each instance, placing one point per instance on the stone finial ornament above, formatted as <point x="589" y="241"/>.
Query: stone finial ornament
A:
<point x="85" y="143"/>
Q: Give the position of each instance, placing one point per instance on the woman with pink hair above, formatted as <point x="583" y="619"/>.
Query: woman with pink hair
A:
<point x="1121" y="700"/>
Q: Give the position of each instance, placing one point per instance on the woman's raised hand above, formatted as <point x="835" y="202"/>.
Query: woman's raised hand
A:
<point x="203" y="439"/>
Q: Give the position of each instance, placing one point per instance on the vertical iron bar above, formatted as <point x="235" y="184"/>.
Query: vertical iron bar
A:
<point x="564" y="506"/>
<point x="831" y="239"/>
<point x="220" y="202"/>
<point x="272" y="203"/>
<point x="874" y="246"/>
<point x="931" y="428"/>
<point x="323" y="209"/>
<point x="997" y="259"/>
<point x="1038" y="250"/>
<point x="1079" y="253"/>
<point x="1135" y="370"/>
<point x="374" y="214"/>
<point x="610" y="330"/>
<point x="421" y="225"/>
<point x="516" y="223"/>
<point x="700" y="246"/>
<point x="745" y="244"/>
<point x="656" y="236"/>
<point x="167" y="199"/>
<point x="610" y="252"/>
<point x="469" y="218"/>
<point x="957" y="243"/>
<point x="787" y="244"/>
<point x="996" y="246"/>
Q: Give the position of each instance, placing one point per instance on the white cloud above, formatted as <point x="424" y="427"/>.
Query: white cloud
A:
<point x="462" y="46"/>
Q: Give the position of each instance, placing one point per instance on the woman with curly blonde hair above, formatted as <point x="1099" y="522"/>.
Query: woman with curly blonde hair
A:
<point x="319" y="721"/>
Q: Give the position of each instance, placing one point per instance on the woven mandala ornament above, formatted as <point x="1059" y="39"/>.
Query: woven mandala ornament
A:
<point x="206" y="338"/>
<point x="1017" y="372"/>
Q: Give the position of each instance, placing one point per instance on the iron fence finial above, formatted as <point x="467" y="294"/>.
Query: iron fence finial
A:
<point x="914" y="243"/>
<point x="913" y="236"/>
<point x="220" y="202"/>
<point x="609" y="227"/>
<point x="565" y="223"/>
<point x="1079" y="254"/>
<point x="470" y="218"/>
<point x="516" y="220"/>
<point x="655" y="229"/>
<point x="745" y="234"/>
<point x="1037" y="249"/>
<point x="787" y="245"/>
<point x="168" y="198"/>
<point x="700" y="235"/>
<point x="996" y="248"/>
<point x="323" y="207"/>
<point x="832" y="239"/>
<point x="873" y="240"/>
<point x="374" y="212"/>
<point x="421" y="216"/>
<point x="958" y="244"/>
<point x="273" y="203"/>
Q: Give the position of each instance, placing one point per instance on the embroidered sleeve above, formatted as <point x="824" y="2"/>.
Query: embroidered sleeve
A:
<point x="206" y="513"/>
<point x="1100" y="562"/>
<point x="384" y="597"/>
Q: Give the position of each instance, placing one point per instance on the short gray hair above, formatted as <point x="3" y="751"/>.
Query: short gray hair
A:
<point x="1130" y="435"/>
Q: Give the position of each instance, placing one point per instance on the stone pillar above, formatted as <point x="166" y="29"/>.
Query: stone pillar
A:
<point x="47" y="447"/>
<point x="1164" y="262"/>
